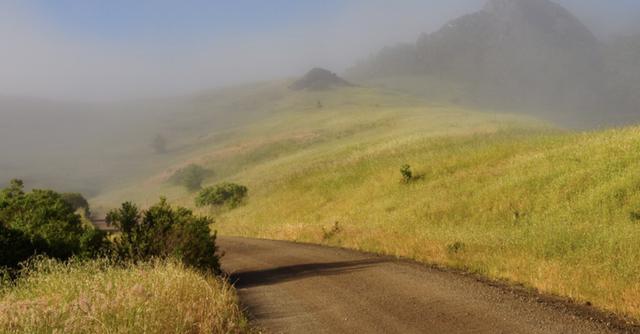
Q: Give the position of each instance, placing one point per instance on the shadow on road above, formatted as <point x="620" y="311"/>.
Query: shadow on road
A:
<point x="276" y="275"/>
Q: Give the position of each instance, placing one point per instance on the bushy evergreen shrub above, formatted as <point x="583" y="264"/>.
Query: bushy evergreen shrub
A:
<point x="163" y="232"/>
<point x="190" y="177"/>
<point x="230" y="194"/>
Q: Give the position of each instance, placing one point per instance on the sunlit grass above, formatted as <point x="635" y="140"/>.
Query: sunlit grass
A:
<point x="504" y="196"/>
<point x="549" y="209"/>
<point x="97" y="297"/>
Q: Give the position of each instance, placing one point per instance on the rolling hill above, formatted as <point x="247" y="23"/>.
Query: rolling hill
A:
<point x="503" y="195"/>
<point x="493" y="191"/>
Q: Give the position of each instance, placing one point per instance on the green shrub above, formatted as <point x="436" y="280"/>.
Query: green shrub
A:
<point x="230" y="194"/>
<point x="407" y="174"/>
<point x="190" y="177"/>
<point x="164" y="232"/>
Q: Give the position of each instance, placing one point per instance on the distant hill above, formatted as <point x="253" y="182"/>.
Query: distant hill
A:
<point x="511" y="53"/>
<point x="319" y="79"/>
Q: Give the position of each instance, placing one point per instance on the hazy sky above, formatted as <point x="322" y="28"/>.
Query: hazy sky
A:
<point x="98" y="49"/>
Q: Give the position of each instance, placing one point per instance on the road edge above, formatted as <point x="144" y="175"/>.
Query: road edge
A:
<point x="569" y="306"/>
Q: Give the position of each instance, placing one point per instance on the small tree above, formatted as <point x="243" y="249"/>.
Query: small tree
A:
<point x="407" y="174"/>
<point x="159" y="144"/>
<point x="42" y="222"/>
<point x="230" y="194"/>
<point x="191" y="177"/>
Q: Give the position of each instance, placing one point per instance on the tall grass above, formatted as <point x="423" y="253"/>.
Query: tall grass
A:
<point x="98" y="297"/>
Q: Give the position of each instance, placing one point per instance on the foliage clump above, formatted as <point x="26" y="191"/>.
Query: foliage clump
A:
<point x="159" y="144"/>
<point x="229" y="194"/>
<point x="407" y="174"/>
<point x="77" y="202"/>
<point x="42" y="222"/>
<point x="164" y="232"/>
<point x="190" y="177"/>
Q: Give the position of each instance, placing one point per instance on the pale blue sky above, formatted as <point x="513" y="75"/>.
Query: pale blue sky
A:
<point x="125" y="19"/>
<point x="124" y="48"/>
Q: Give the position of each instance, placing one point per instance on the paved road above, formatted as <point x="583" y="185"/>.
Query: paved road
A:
<point x="296" y="288"/>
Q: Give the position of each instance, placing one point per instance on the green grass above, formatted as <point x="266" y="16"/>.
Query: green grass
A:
<point x="296" y="125"/>
<point x="96" y="297"/>
<point x="500" y="195"/>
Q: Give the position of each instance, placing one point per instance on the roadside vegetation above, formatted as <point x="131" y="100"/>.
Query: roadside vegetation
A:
<point x="102" y="297"/>
<point x="157" y="274"/>
<point x="162" y="232"/>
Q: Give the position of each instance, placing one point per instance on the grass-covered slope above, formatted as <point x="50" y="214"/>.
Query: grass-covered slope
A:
<point x="554" y="211"/>
<point x="295" y="123"/>
<point x="96" y="297"/>
<point x="501" y="195"/>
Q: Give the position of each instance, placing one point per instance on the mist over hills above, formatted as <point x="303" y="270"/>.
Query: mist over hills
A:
<point x="532" y="56"/>
<point x="520" y="54"/>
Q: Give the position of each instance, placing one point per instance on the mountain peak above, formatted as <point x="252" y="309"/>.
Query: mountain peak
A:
<point x="539" y="19"/>
<point x="319" y="79"/>
<point x="512" y="52"/>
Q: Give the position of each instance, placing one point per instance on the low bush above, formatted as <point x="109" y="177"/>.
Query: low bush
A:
<point x="190" y="177"/>
<point x="164" y="232"/>
<point x="229" y="194"/>
<point x="407" y="174"/>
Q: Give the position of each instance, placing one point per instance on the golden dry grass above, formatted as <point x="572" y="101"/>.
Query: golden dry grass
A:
<point x="97" y="297"/>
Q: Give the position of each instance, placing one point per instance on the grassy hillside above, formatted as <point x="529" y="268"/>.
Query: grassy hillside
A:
<point x="497" y="194"/>
<point x="298" y="125"/>
<point x="558" y="212"/>
<point x="95" y="297"/>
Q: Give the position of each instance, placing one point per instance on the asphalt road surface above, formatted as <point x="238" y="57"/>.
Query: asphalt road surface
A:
<point x="298" y="288"/>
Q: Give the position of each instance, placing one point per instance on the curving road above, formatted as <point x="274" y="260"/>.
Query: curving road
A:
<point x="298" y="288"/>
